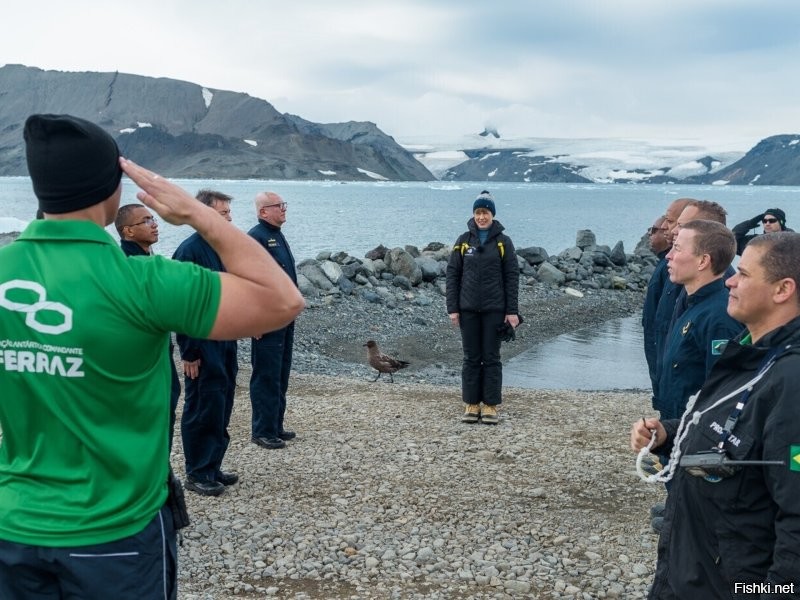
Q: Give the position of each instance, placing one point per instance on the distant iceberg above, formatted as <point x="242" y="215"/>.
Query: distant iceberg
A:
<point x="9" y="224"/>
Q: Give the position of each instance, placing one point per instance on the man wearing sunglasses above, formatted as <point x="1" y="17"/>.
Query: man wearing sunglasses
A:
<point x="772" y="219"/>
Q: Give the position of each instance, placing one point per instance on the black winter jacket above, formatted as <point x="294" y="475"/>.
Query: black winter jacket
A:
<point x="745" y="528"/>
<point x="483" y="278"/>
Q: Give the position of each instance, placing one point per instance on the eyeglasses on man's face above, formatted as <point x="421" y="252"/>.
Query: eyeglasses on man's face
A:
<point x="149" y="221"/>
<point x="280" y="205"/>
<point x="654" y="230"/>
<point x="769" y="220"/>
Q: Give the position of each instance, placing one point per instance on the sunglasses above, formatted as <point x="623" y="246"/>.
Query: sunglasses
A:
<point x="653" y="230"/>
<point x="765" y="221"/>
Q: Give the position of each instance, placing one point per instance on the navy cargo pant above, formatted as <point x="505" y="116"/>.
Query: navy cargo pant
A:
<point x="272" y="362"/>
<point x="207" y="408"/>
<point x="139" y="567"/>
<point x="481" y="371"/>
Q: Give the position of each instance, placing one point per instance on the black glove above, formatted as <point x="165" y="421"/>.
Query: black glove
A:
<point x="506" y="332"/>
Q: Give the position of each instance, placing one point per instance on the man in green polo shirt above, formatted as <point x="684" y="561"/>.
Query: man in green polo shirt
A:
<point x="84" y="369"/>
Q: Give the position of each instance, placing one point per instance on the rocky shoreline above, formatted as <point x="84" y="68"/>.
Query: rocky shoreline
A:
<point x="396" y="297"/>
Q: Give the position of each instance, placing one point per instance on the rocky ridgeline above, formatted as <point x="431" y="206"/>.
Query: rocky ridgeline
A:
<point x="390" y="275"/>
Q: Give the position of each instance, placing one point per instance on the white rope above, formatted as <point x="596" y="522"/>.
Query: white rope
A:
<point x="683" y="430"/>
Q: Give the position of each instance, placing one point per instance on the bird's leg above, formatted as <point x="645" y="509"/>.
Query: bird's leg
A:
<point x="391" y="379"/>
<point x="376" y="378"/>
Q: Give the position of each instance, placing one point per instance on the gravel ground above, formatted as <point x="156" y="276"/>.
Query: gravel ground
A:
<point x="386" y="494"/>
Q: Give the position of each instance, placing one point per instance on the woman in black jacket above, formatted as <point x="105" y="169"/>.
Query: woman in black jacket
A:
<point x="482" y="295"/>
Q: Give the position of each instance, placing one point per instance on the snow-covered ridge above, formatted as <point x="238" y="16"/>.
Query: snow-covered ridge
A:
<point x="598" y="159"/>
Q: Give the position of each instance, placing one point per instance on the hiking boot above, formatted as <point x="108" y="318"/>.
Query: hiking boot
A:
<point x="472" y="413"/>
<point x="489" y="415"/>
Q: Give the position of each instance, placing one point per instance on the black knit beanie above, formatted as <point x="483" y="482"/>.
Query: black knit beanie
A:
<point x="778" y="214"/>
<point x="73" y="163"/>
<point x="486" y="201"/>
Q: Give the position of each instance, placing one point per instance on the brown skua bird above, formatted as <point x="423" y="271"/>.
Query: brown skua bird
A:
<point x="383" y="363"/>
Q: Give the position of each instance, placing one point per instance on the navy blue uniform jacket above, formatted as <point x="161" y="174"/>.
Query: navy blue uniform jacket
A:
<point x="695" y="342"/>
<point x="196" y="250"/>
<point x="271" y="238"/>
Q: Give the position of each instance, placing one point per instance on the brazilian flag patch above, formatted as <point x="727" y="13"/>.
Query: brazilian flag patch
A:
<point x="794" y="458"/>
<point x="718" y="346"/>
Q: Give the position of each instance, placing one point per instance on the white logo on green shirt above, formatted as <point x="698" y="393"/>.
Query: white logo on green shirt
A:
<point x="31" y="310"/>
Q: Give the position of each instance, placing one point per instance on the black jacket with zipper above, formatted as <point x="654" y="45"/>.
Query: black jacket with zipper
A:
<point x="483" y="277"/>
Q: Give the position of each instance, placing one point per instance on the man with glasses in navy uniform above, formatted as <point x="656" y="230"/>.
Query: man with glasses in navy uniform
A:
<point x="773" y="219"/>
<point x="271" y="352"/>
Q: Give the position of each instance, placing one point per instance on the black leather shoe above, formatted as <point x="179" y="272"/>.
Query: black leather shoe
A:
<point x="204" y="487"/>
<point x="269" y="443"/>
<point x="287" y="435"/>
<point x="227" y="479"/>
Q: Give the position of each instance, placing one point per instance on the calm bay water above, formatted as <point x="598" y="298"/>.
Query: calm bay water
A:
<point x="356" y="217"/>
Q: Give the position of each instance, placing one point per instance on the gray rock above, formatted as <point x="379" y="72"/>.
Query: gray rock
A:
<point x="547" y="273"/>
<point x="534" y="255"/>
<point x="431" y="269"/>
<point x="345" y="285"/>
<point x="371" y="296"/>
<point x="316" y="275"/>
<point x="332" y="270"/>
<point x="402" y="282"/>
<point x="402" y="263"/>
<point x="573" y="253"/>
<point x="305" y="286"/>
<point x="377" y="253"/>
<point x="618" y="255"/>
<point x="585" y="238"/>
<point x="7" y="238"/>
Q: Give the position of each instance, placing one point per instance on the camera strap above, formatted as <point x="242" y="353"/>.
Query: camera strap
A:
<point x="733" y="417"/>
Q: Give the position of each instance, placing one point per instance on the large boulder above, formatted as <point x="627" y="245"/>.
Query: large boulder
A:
<point x="535" y="255"/>
<point x="618" y="255"/>
<point x="314" y="273"/>
<point x="431" y="269"/>
<point x="400" y="262"/>
<point x="548" y="273"/>
<point x="332" y="270"/>
<point x="585" y="238"/>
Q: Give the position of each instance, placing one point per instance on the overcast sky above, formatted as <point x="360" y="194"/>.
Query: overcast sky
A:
<point x="707" y="70"/>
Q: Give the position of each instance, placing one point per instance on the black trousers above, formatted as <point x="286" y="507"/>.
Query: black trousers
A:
<point x="482" y="371"/>
<point x="207" y="408"/>
<point x="271" y="357"/>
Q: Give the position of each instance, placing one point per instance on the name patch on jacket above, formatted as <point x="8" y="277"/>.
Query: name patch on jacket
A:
<point x="470" y="251"/>
<point x="272" y="243"/>
<point x="718" y="346"/>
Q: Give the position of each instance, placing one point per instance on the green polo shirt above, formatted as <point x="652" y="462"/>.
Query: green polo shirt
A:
<point x="85" y="380"/>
